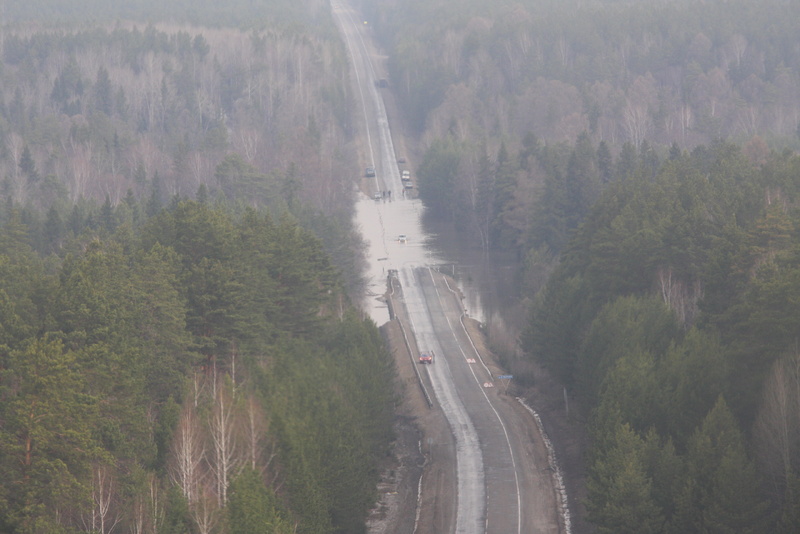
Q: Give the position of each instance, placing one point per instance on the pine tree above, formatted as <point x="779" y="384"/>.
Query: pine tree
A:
<point x="46" y="445"/>
<point x="581" y="182"/>
<point x="103" y="92"/>
<point x="620" y="496"/>
<point x="605" y="163"/>
<point x="177" y="519"/>
<point x="627" y="162"/>
<point x="722" y="482"/>
<point x="53" y="230"/>
<point x="692" y="375"/>
<point x="253" y="509"/>
<point x="28" y="166"/>
<point x="505" y="185"/>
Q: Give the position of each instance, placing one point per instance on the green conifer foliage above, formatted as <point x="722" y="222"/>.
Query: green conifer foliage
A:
<point x="47" y="444"/>
<point x="253" y="508"/>
<point x="620" y="490"/>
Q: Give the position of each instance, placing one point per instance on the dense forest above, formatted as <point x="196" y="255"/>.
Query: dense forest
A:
<point x="242" y="14"/>
<point x="672" y="318"/>
<point x="473" y="77"/>
<point x="662" y="293"/>
<point x="665" y="71"/>
<point x="179" y="351"/>
<point x="193" y="372"/>
<point x="639" y="160"/>
<point x="255" y="115"/>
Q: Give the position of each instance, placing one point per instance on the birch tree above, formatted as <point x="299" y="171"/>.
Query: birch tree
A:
<point x="777" y="429"/>
<point x="103" y="517"/>
<point x="225" y="455"/>
<point x="188" y="453"/>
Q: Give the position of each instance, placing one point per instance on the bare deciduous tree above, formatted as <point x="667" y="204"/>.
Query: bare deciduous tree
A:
<point x="103" y="517"/>
<point x="82" y="169"/>
<point x="225" y="458"/>
<point x="777" y="428"/>
<point x="188" y="453"/>
<point x="147" y="513"/>
<point x="205" y="510"/>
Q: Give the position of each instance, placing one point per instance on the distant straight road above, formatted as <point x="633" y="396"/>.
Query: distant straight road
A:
<point x="380" y="149"/>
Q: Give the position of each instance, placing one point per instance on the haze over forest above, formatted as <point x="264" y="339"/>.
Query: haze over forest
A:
<point x="178" y="258"/>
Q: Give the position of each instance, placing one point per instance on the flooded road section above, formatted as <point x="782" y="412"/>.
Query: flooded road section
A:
<point x="384" y="220"/>
<point x="396" y="240"/>
<point x="400" y="235"/>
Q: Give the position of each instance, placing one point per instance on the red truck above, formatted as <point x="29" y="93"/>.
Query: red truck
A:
<point x="426" y="357"/>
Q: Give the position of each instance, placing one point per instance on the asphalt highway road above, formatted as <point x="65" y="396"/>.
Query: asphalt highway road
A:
<point x="493" y="476"/>
<point x="503" y="479"/>
<point x="380" y="152"/>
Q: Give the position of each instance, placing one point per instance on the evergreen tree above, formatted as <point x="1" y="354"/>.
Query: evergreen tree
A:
<point x="484" y="199"/>
<point x="627" y="162"/>
<point x="667" y="471"/>
<point x="103" y="92"/>
<point x="154" y="202"/>
<point x="53" y="230"/>
<point x="675" y="152"/>
<point x="253" y="509"/>
<point x="626" y="326"/>
<point x="722" y="483"/>
<point x="619" y="489"/>
<point x="605" y="163"/>
<point x="177" y="519"/>
<point x="581" y="182"/>
<point x="437" y="176"/>
<point x="693" y="374"/>
<point x="46" y="444"/>
<point x="555" y="317"/>
<point x="160" y="322"/>
<point x="631" y="386"/>
<point x="107" y="219"/>
<point x="504" y="235"/>
<point x="28" y="166"/>
<point x="790" y="512"/>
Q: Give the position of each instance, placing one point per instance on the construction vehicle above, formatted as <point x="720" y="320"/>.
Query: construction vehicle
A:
<point x="426" y="357"/>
